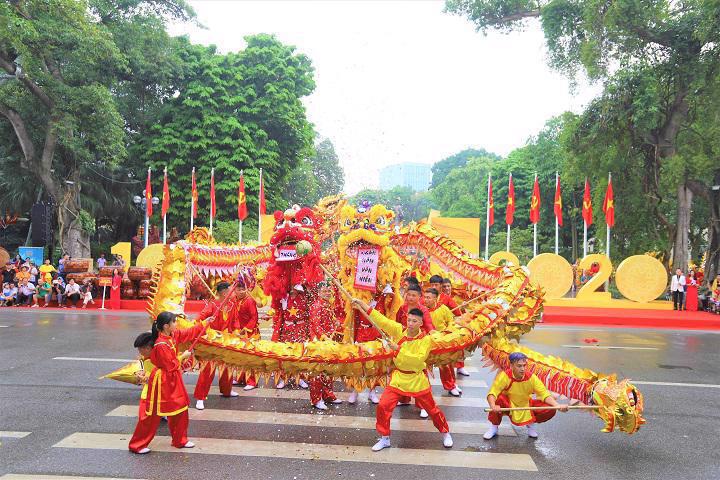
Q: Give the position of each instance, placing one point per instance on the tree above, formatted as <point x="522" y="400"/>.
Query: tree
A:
<point x="407" y="204"/>
<point x="61" y="64"/>
<point x="658" y="61"/>
<point x="327" y="170"/>
<point x="441" y="169"/>
<point x="240" y="111"/>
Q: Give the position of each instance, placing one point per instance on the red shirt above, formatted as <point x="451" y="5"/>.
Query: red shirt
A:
<point x="402" y="314"/>
<point x="218" y="322"/>
<point x="322" y="319"/>
<point x="447" y="300"/>
<point x="293" y="318"/>
<point x="166" y="391"/>
<point x="245" y="315"/>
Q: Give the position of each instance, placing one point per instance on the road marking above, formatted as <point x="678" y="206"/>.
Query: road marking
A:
<point x="4" y="326"/>
<point x="6" y="434"/>
<point x="320" y="420"/>
<point x="301" y="394"/>
<point x="22" y="476"/>
<point x="89" y="359"/>
<point x="671" y="384"/>
<point x="313" y="451"/>
<point x="608" y="347"/>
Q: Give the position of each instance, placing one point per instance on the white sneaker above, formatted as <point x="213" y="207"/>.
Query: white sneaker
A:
<point x="321" y="405"/>
<point x="423" y="413"/>
<point x="336" y="401"/>
<point x="532" y="433"/>
<point x="353" y="397"/>
<point x="249" y="387"/>
<point x="280" y="384"/>
<point x="200" y="405"/>
<point x="233" y="393"/>
<point x="447" y="440"/>
<point x="143" y="451"/>
<point x="491" y="432"/>
<point x="373" y="397"/>
<point x="384" y="442"/>
<point x="189" y="445"/>
<point x="463" y="372"/>
<point x="303" y="383"/>
<point x="455" y="392"/>
<point x="235" y="382"/>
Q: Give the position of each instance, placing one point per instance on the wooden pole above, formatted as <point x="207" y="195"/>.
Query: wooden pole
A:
<point x="535" y="409"/>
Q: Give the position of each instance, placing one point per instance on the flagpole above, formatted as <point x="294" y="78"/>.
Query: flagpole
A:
<point x="607" y="240"/>
<point x="259" y="206"/>
<point x="147" y="217"/>
<point x="557" y="227"/>
<point x="507" y="240"/>
<point x="192" y="204"/>
<point x="164" y="216"/>
<point x="534" y="227"/>
<point x="212" y="179"/>
<point x="487" y="219"/>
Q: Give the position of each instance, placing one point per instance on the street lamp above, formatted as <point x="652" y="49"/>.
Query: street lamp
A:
<point x="138" y="200"/>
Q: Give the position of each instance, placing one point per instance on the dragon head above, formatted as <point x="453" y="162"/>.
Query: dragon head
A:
<point x="621" y="404"/>
<point x="362" y="226"/>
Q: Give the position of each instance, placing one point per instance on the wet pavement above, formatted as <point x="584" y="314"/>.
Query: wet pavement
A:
<point x="59" y="419"/>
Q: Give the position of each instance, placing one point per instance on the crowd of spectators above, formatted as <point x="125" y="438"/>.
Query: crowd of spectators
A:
<point x="26" y="284"/>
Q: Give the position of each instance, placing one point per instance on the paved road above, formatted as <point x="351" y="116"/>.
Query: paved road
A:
<point x="59" y="419"/>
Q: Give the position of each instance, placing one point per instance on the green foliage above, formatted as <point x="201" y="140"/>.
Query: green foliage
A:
<point x="87" y="222"/>
<point x="240" y="111"/>
<point x="407" y="204"/>
<point x="441" y="169"/>
<point x="319" y="176"/>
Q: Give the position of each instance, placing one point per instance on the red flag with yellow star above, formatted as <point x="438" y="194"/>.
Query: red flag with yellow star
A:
<point x="535" y="203"/>
<point x="587" y="205"/>
<point x="510" y="210"/>
<point x="609" y="205"/>
<point x="166" y="195"/>
<point x="242" y="205"/>
<point x="194" y="194"/>
<point x="557" y="206"/>
<point x="491" y="204"/>
<point x="213" y="208"/>
<point x="148" y="195"/>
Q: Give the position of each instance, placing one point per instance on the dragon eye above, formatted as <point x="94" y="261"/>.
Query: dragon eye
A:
<point x="381" y="221"/>
<point x="307" y="221"/>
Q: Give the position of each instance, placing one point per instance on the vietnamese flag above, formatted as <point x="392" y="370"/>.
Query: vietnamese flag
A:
<point x="557" y="206"/>
<point x="263" y="206"/>
<point x="212" y="193"/>
<point x="535" y="203"/>
<point x="194" y="194"/>
<point x="166" y="195"/>
<point x="242" y="206"/>
<point x="587" y="205"/>
<point x="491" y="204"/>
<point x="148" y="196"/>
<point x="609" y="205"/>
<point x="510" y="210"/>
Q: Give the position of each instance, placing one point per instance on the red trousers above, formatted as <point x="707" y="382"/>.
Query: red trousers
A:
<point x="147" y="427"/>
<point x="247" y="379"/>
<point x="389" y="400"/>
<point x="321" y="388"/>
<point x="539" y="416"/>
<point x="447" y="376"/>
<point x="205" y="379"/>
<point x="460" y="364"/>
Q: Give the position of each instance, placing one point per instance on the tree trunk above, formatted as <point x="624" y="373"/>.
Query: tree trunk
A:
<point x="682" y="229"/>
<point x="712" y="262"/>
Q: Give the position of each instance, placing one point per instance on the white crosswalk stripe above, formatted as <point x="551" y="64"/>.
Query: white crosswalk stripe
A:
<point x="22" y="476"/>
<point x="8" y="434"/>
<point x="320" y="420"/>
<point x="313" y="451"/>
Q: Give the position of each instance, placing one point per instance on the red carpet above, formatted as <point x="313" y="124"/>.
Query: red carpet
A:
<point x="622" y="317"/>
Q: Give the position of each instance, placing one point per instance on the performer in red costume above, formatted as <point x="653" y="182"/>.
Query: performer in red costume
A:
<point x="323" y="324"/>
<point x="447" y="290"/>
<point x="224" y="320"/>
<point x="436" y="282"/>
<point x="246" y="319"/>
<point x="166" y="392"/>
<point x="291" y="323"/>
<point x="442" y="318"/>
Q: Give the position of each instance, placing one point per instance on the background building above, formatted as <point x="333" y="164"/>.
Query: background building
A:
<point x="414" y="175"/>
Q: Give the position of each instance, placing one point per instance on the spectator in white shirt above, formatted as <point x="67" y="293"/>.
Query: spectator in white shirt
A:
<point x="72" y="293"/>
<point x="677" y="288"/>
<point x="101" y="261"/>
<point x="26" y="294"/>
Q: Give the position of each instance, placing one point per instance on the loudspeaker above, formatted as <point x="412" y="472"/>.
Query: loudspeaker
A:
<point x="41" y="218"/>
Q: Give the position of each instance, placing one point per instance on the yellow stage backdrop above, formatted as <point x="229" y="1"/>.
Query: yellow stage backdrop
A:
<point x="465" y="231"/>
<point x="268" y="228"/>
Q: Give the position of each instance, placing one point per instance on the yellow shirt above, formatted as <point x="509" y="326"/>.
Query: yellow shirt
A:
<point x="148" y="367"/>
<point x="409" y="376"/>
<point x="442" y="317"/>
<point x="519" y="394"/>
<point x="46" y="269"/>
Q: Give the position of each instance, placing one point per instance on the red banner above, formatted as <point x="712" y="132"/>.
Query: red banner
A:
<point x="263" y="207"/>
<point x="194" y="194"/>
<point x="510" y="210"/>
<point x="491" y="204"/>
<point x="242" y="206"/>
<point x="609" y="205"/>
<point x="212" y="193"/>
<point x="587" y="212"/>
<point x="557" y="205"/>
<point x="535" y="203"/>
<point x="148" y="195"/>
<point x="166" y="195"/>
